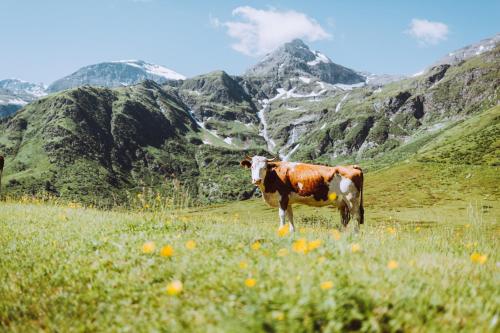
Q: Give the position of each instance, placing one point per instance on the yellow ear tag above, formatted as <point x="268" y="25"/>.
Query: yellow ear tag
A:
<point x="332" y="196"/>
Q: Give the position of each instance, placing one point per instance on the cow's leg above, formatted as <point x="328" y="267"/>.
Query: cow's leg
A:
<point x="282" y="209"/>
<point x="355" y="212"/>
<point x="345" y="216"/>
<point x="358" y="212"/>
<point x="289" y="215"/>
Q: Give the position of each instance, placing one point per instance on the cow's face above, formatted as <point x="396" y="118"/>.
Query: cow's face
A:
<point x="258" y="165"/>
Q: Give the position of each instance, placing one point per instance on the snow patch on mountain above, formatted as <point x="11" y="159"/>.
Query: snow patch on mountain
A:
<point x="349" y="86"/>
<point x="337" y="108"/>
<point x="320" y="58"/>
<point x="153" y="69"/>
<point x="285" y="94"/>
<point x="15" y="101"/>
<point x="305" y="79"/>
<point x="262" y="117"/>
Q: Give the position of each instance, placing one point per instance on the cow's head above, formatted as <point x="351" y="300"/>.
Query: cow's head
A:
<point x="258" y="165"/>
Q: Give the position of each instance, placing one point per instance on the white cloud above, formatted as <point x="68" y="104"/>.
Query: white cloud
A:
<point x="260" y="31"/>
<point x="427" y="32"/>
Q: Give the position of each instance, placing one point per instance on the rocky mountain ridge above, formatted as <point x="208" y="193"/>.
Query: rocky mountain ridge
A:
<point x="197" y="129"/>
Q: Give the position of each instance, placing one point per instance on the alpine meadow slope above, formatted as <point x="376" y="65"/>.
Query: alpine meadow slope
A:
<point x="124" y="207"/>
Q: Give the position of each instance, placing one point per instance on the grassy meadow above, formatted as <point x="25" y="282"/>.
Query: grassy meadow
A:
<point x="427" y="259"/>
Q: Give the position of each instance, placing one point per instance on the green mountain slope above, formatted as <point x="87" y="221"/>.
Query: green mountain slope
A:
<point x="365" y="123"/>
<point x="473" y="141"/>
<point x="95" y="143"/>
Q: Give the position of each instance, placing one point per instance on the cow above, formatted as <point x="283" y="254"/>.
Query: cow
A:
<point x="285" y="183"/>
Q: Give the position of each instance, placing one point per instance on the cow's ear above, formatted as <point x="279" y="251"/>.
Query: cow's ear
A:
<point x="245" y="164"/>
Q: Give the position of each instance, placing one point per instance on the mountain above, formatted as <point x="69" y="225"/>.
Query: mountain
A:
<point x="469" y="51"/>
<point x="223" y="108"/>
<point x="20" y="87"/>
<point x="115" y="74"/>
<point x="196" y="130"/>
<point x="14" y="94"/>
<point x="294" y="60"/>
<point x="99" y="143"/>
<point x="341" y="126"/>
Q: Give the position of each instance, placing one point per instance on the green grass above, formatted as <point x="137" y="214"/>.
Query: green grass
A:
<point x="79" y="269"/>
<point x="473" y="141"/>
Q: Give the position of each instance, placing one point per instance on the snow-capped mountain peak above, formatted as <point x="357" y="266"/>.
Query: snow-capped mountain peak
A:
<point x="295" y="58"/>
<point x="18" y="86"/>
<point x="116" y="74"/>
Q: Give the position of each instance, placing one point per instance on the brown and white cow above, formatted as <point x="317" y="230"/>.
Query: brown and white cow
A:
<point x="285" y="183"/>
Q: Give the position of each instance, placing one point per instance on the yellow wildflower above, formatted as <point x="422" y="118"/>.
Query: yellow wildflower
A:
<point x="167" y="251"/>
<point x="391" y="230"/>
<point x="321" y="259"/>
<point x="478" y="258"/>
<point x="148" y="247"/>
<point x="312" y="245"/>
<point x="282" y="252"/>
<point x="300" y="246"/>
<point x="174" y="288"/>
<point x="243" y="264"/>
<point x="355" y="248"/>
<point x="417" y="229"/>
<point x="190" y="244"/>
<point x="325" y="285"/>
<point x="336" y="234"/>
<point x="250" y="283"/>
<point x="332" y="196"/>
<point x="392" y="264"/>
<point x="283" y="231"/>
<point x="256" y="246"/>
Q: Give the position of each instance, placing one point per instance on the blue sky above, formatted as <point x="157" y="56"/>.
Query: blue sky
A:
<point x="43" y="40"/>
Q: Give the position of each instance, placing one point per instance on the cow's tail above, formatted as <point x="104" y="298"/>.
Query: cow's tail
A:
<point x="361" y="208"/>
<point x="1" y="172"/>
